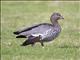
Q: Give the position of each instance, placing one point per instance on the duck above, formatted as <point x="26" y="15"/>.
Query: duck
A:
<point x="43" y="32"/>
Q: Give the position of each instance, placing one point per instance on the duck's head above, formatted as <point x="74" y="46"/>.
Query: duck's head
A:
<point x="55" y="17"/>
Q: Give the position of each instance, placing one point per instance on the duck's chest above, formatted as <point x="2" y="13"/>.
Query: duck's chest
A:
<point x="52" y="33"/>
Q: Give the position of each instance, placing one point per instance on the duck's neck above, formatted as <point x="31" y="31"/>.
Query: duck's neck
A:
<point x="55" y="23"/>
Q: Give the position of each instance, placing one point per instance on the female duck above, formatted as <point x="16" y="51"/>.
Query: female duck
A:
<point x="42" y="32"/>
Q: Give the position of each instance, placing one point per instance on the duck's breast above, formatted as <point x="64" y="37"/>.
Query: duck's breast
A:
<point x="51" y="34"/>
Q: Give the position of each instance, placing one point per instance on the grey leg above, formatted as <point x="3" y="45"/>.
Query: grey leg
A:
<point x="41" y="43"/>
<point x="32" y="44"/>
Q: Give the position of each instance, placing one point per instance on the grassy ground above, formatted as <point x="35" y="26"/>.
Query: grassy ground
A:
<point x="40" y="0"/>
<point x="19" y="14"/>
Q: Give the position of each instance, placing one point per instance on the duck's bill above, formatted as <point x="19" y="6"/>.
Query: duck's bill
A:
<point x="61" y="17"/>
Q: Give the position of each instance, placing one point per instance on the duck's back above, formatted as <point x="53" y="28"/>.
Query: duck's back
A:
<point x="47" y="31"/>
<point x="38" y="29"/>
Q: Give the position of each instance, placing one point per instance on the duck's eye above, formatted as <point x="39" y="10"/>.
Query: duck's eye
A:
<point x="59" y="15"/>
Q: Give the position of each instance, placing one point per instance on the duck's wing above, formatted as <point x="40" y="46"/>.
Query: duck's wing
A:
<point x="25" y="29"/>
<point x="37" y="29"/>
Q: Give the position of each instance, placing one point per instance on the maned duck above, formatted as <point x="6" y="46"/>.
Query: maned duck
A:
<point x="44" y="32"/>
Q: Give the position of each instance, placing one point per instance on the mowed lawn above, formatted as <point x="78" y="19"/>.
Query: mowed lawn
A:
<point x="16" y="15"/>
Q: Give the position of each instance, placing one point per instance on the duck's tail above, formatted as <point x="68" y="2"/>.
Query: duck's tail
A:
<point x="21" y="36"/>
<point x="16" y="32"/>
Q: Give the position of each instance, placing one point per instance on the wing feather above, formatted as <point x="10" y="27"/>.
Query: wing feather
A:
<point x="25" y="29"/>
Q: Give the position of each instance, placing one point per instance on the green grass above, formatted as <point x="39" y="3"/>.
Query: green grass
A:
<point x="40" y="0"/>
<point x="23" y="14"/>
